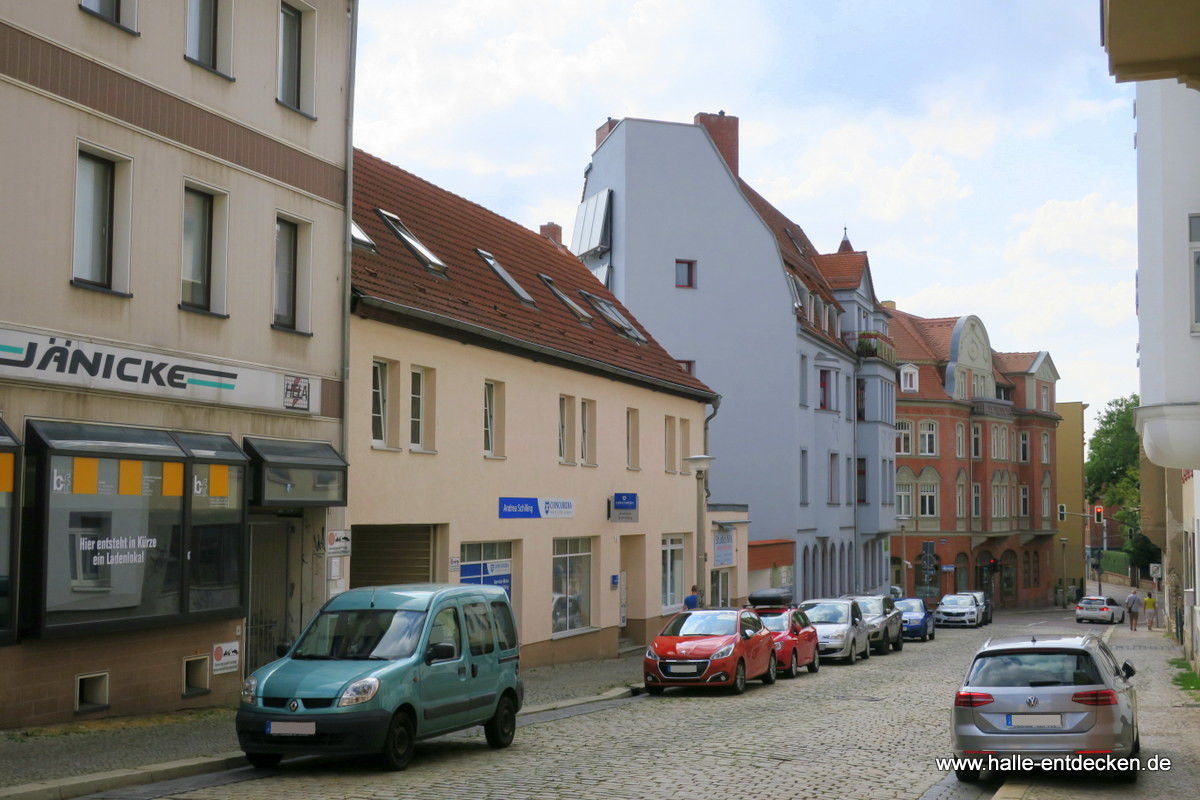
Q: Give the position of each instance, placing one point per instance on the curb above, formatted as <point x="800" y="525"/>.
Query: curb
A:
<point x="79" y="785"/>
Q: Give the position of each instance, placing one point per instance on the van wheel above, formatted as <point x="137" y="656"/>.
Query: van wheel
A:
<point x="503" y="724"/>
<point x="400" y="742"/>
<point x="264" y="760"/>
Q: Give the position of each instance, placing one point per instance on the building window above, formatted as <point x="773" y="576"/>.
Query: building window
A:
<point x="834" y="479"/>
<point x="669" y="451"/>
<point x="976" y="441"/>
<point x="1045" y="448"/>
<point x="685" y="274"/>
<point x="672" y="572"/>
<point x="1045" y="502"/>
<point x="1000" y="442"/>
<point x="287" y="239"/>
<point x="928" y="496"/>
<point x="493" y="418"/>
<point x="632" y="448"/>
<point x="488" y="563"/>
<point x="960" y="501"/>
<point x="587" y="432"/>
<point x="1024" y="501"/>
<point x="1194" y="237"/>
<point x="1045" y="398"/>
<point x="904" y="494"/>
<point x="571" y="601"/>
<point x="927" y="438"/>
<point x="1023" y="447"/>
<point x="976" y="500"/>
<point x="861" y="488"/>
<point x="197" y="248"/>
<point x="803" y="477"/>
<point x="379" y="400"/>
<point x="828" y="387"/>
<point x="860" y="400"/>
<point x="297" y="29"/>
<point x="908" y="379"/>
<point x="504" y="275"/>
<point x="566" y="429"/>
<point x="804" y="381"/>
<point x="849" y="490"/>
<point x="959" y="440"/>
<point x="687" y="366"/>
<point x="903" y="437"/>
<point x="685" y="446"/>
<point x="94" y="220"/>
<point x="210" y="34"/>
<point x="420" y="407"/>
<point x="118" y="12"/>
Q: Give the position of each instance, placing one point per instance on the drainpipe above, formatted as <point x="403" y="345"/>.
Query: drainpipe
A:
<point x="346" y="238"/>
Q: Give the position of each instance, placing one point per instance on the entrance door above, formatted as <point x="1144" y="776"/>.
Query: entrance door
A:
<point x="267" y="622"/>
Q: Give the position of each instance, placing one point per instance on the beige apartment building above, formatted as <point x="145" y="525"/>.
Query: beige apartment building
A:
<point x="511" y="423"/>
<point x="172" y="343"/>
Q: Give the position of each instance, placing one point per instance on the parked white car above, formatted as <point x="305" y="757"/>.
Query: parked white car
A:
<point x="958" y="609"/>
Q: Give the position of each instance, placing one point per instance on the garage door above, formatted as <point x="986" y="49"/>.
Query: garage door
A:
<point x="387" y="554"/>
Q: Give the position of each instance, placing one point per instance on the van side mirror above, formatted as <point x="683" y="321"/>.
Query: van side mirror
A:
<point x="281" y="650"/>
<point x="1127" y="670"/>
<point x="442" y="651"/>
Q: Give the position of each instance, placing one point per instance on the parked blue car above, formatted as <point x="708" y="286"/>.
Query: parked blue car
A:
<point x="918" y="618"/>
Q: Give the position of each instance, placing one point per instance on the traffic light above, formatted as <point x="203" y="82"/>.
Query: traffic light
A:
<point x="1099" y="513"/>
<point x="1062" y="512"/>
<point x="991" y="566"/>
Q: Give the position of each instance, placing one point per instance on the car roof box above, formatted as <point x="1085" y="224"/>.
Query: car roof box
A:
<point x="771" y="597"/>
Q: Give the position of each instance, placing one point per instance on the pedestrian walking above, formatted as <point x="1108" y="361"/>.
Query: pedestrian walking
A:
<point x="693" y="599"/>
<point x="1134" y="605"/>
<point x="1151" y="608"/>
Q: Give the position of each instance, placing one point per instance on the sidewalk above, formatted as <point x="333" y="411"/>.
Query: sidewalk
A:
<point x="70" y="760"/>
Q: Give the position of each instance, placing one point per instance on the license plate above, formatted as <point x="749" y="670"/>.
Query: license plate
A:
<point x="1035" y="720"/>
<point x="684" y="669"/>
<point x="291" y="728"/>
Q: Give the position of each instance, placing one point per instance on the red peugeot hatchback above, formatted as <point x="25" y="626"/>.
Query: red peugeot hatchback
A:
<point x="717" y="647"/>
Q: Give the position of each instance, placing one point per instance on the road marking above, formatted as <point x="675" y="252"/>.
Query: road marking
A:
<point x="1031" y="624"/>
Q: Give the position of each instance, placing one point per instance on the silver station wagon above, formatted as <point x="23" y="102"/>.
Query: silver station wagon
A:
<point x="1046" y="696"/>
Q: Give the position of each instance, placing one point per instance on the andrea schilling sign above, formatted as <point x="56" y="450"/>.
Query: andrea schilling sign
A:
<point x="536" y="508"/>
<point x="63" y="360"/>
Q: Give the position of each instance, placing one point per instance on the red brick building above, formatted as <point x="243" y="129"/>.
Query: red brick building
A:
<point x="975" y="456"/>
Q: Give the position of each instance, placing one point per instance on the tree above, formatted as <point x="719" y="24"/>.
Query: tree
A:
<point x="1113" y="455"/>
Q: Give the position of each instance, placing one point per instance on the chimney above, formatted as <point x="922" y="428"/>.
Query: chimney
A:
<point x="724" y="132"/>
<point x="553" y="232"/>
<point x="604" y="130"/>
<point x="890" y="305"/>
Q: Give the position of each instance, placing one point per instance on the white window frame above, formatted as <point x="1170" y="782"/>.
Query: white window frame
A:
<point x="908" y="379"/>
<point x="928" y="496"/>
<point x="960" y="500"/>
<point x="218" y="246"/>
<point x="927" y="436"/>
<point x="976" y="440"/>
<point x="803" y="483"/>
<point x="421" y="394"/>
<point x="904" y="500"/>
<point x="1045" y="448"/>
<point x="670" y="452"/>
<point x="977" y="500"/>
<point x="587" y="432"/>
<point x="1023" y="447"/>
<point x="566" y="429"/>
<point x="379" y="403"/>
<point x="493" y="419"/>
<point x="685" y="445"/>
<point x="1194" y="270"/>
<point x="835" y="480"/>
<point x="960" y="440"/>
<point x="1045" y="502"/>
<point x="126" y="16"/>
<point x="673" y="584"/>
<point x="301" y="274"/>
<point x="632" y="439"/>
<point x="903" y="437"/>
<point x="1024" y="502"/>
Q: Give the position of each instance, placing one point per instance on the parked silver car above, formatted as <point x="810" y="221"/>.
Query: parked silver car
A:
<point x="1041" y="697"/>
<point x="958" y="609"/>
<point x="985" y="603"/>
<point x="885" y="623"/>
<point x="841" y="631"/>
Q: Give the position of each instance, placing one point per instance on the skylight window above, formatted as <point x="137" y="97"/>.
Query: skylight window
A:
<point x="359" y="236"/>
<point x="571" y="305"/>
<point x="511" y="282"/>
<point x="614" y="317"/>
<point x="415" y="246"/>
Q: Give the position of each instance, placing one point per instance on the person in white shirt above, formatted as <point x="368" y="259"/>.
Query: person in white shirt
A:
<point x="1133" y="604"/>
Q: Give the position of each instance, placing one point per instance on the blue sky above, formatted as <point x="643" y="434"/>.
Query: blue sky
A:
<point x="978" y="150"/>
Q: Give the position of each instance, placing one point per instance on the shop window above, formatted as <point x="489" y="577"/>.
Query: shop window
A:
<point x="9" y="468"/>
<point x="571" y="593"/>
<point x="487" y="563"/>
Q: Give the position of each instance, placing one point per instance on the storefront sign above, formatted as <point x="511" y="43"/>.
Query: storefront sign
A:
<point x="536" y="508"/>
<point x="489" y="573"/>
<point x="88" y="365"/>
<point x="723" y="548"/>
<point x="226" y="657"/>
<point x="623" y="507"/>
<point x="337" y="543"/>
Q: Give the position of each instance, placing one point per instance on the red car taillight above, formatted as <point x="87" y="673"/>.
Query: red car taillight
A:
<point x="973" y="699"/>
<point x="1104" y="609"/>
<point x="1100" y="697"/>
<point x="1079" y="608"/>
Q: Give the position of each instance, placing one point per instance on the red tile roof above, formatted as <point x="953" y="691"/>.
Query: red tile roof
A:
<point x="473" y="298"/>
<point x="843" y="270"/>
<point x="1010" y="363"/>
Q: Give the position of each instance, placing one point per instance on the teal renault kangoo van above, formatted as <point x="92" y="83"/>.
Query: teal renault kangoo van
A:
<point x="379" y="668"/>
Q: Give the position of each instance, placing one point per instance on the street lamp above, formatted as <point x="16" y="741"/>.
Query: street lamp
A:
<point x="904" y="561"/>
<point x="700" y="465"/>
<point x="1063" y="539"/>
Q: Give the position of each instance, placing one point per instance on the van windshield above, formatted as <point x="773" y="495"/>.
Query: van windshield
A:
<point x="361" y="634"/>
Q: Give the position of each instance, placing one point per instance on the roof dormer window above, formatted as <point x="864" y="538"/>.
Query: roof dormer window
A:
<point x="614" y="317"/>
<point x="908" y="378"/>
<point x="422" y="253"/>
<point x="509" y="280"/>
<point x="576" y="309"/>
<point x="359" y="237"/>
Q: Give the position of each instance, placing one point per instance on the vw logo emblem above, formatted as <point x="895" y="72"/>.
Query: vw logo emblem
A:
<point x="295" y="704"/>
<point x="1030" y="701"/>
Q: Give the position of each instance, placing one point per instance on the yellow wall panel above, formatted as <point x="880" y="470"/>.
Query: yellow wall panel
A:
<point x="87" y="475"/>
<point x="129" y="480"/>
<point x="172" y="479"/>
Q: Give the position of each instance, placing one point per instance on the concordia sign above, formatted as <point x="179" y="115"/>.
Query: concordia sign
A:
<point x="536" y="508"/>
<point x="62" y="360"/>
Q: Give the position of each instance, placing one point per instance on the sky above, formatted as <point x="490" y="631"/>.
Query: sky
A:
<point x="978" y="150"/>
